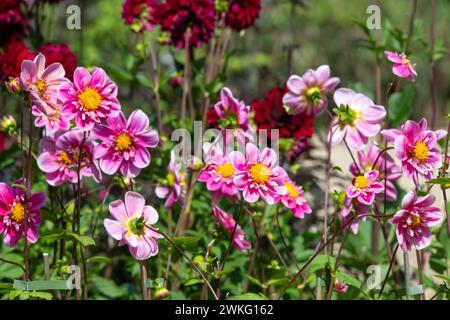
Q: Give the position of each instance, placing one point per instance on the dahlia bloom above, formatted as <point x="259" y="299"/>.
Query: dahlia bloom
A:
<point x="242" y="14"/>
<point x="414" y="219"/>
<point x="416" y="148"/>
<point x="123" y="144"/>
<point x="227" y="221"/>
<point x="14" y="205"/>
<point x="218" y="173"/>
<point x="13" y="23"/>
<point x="139" y="14"/>
<point x="355" y="210"/>
<point x="131" y="225"/>
<point x="294" y="199"/>
<point x="403" y="67"/>
<point x="50" y="117"/>
<point x="358" y="118"/>
<point x="60" y="53"/>
<point x="177" y="17"/>
<point x="14" y="53"/>
<point x="90" y="99"/>
<point x="40" y="82"/>
<point x="365" y="187"/>
<point x="340" y="286"/>
<point x="259" y="175"/>
<point x="174" y="186"/>
<point x="60" y="158"/>
<point x="309" y="92"/>
<point x="392" y="172"/>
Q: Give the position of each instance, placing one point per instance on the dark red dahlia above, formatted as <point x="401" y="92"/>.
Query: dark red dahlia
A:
<point x="242" y="14"/>
<point x="178" y="16"/>
<point x="139" y="14"/>
<point x="11" y="58"/>
<point x="60" y="53"/>
<point x="12" y="21"/>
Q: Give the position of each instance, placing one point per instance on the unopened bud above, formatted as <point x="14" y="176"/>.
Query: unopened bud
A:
<point x="161" y="293"/>
<point x="13" y="85"/>
<point x="8" y="124"/>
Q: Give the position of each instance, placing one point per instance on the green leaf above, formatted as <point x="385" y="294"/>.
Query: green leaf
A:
<point x="83" y="240"/>
<point x="186" y="242"/>
<point x="401" y="105"/>
<point x="192" y="282"/>
<point x="54" y="235"/>
<point x="320" y="262"/>
<point x="249" y="296"/>
<point x="348" y="279"/>
<point x="7" y="286"/>
<point x="255" y="281"/>
<point x="277" y="282"/>
<point x="442" y="181"/>
<point x="108" y="287"/>
<point x="99" y="259"/>
<point x="40" y="295"/>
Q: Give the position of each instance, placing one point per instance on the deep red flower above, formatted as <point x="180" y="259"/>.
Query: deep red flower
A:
<point x="11" y="59"/>
<point x="242" y="14"/>
<point x="178" y="16"/>
<point x="12" y="21"/>
<point x="139" y="14"/>
<point x="60" y="53"/>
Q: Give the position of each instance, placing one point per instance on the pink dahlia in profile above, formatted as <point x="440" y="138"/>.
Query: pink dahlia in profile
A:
<point x="132" y="225"/>
<point x="294" y="200"/>
<point x="90" y="99"/>
<point x="416" y="147"/>
<point x="227" y="222"/>
<point x="365" y="187"/>
<point x="309" y="92"/>
<point x="242" y="14"/>
<point x="50" y="117"/>
<point x="259" y="175"/>
<point x="60" y="158"/>
<point x="123" y="144"/>
<point x="414" y="219"/>
<point x="403" y="67"/>
<point x="173" y="188"/>
<point x="352" y="213"/>
<point x="358" y="118"/>
<point x="139" y="14"/>
<point x="14" y="206"/>
<point x="218" y="173"/>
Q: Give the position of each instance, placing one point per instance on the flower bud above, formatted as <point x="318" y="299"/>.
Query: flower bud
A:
<point x="195" y="164"/>
<point x="8" y="124"/>
<point x="176" y="80"/>
<point x="161" y="293"/>
<point x="13" y="85"/>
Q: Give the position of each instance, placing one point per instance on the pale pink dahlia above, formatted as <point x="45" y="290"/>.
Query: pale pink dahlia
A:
<point x="173" y="188"/>
<point x="50" y="117"/>
<point x="259" y="175"/>
<point x="403" y="67"/>
<point x="60" y="158"/>
<point x="358" y="118"/>
<point x="132" y="225"/>
<point x="309" y="92"/>
<point x="228" y="223"/>
<point x="294" y="199"/>
<point x="414" y="220"/>
<point x="14" y="205"/>
<point x="416" y="148"/>
<point x="123" y="144"/>
<point x="90" y="99"/>
<point x="365" y="187"/>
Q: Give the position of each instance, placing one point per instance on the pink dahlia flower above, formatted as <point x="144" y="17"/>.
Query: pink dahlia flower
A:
<point x="340" y="286"/>
<point x="294" y="199"/>
<point x="358" y="118"/>
<point x="228" y="223"/>
<point x="365" y="187"/>
<point x="259" y="175"/>
<point x="50" y="117"/>
<point x="366" y="162"/>
<point x="218" y="173"/>
<point x="355" y="210"/>
<point x="60" y="158"/>
<point x="414" y="220"/>
<point x="14" y="205"/>
<point x="416" y="148"/>
<point x="173" y="188"/>
<point x="403" y="67"/>
<point x="309" y="92"/>
<point x="131" y="225"/>
<point x="90" y="99"/>
<point x="123" y="144"/>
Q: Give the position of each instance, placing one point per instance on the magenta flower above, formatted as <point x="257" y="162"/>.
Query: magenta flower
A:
<point x="40" y="82"/>
<point x="90" y="99"/>
<point x="358" y="118"/>
<point x="294" y="199"/>
<point x="366" y="162"/>
<point x="259" y="175"/>
<point x="123" y="144"/>
<point x="414" y="219"/>
<point x="355" y="210"/>
<point x="228" y="223"/>
<point x="340" y="286"/>
<point x="416" y="148"/>
<point x="132" y="225"/>
<point x="51" y="118"/>
<point x="174" y="186"/>
<point x="403" y="67"/>
<point x="14" y="204"/>
<point x="365" y="187"/>
<point x="309" y="92"/>
<point x="60" y="158"/>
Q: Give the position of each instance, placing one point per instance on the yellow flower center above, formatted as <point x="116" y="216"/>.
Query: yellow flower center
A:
<point x="226" y="170"/>
<point x="291" y="189"/>
<point x="90" y="99"/>
<point x="421" y="152"/>
<point x="40" y="86"/>
<point x="260" y="173"/>
<point x="360" y="182"/>
<point x="123" y="142"/>
<point x="65" y="158"/>
<point x="17" y="212"/>
<point x="415" y="221"/>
